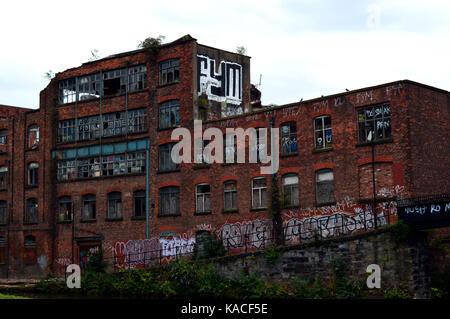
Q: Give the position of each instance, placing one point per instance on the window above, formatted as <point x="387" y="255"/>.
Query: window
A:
<point x="324" y="187"/>
<point x="137" y="120"/>
<point x="202" y="157"/>
<point x="169" y="71"/>
<point x="114" y="82"/>
<point x="260" y="142"/>
<point x="322" y="132"/>
<point x="3" y="212"/>
<point x="136" y="162"/>
<point x="33" y="174"/>
<point x="2" y="251"/>
<point x="67" y="91"/>
<point x="88" y="128"/>
<point x="3" y="137"/>
<point x="203" y="198"/>
<point x="30" y="256"/>
<point x="67" y="170"/>
<point x="3" y="177"/>
<point x="89" y="207"/>
<point x="115" y="205"/>
<point x="33" y="136"/>
<point x="66" y="131"/>
<point x="259" y="190"/>
<point x="114" y="165"/>
<point x="169" y="201"/>
<point x="290" y="189"/>
<point x="32" y="211"/>
<point x="229" y="148"/>
<point x="289" y="138"/>
<point x="114" y="124"/>
<point x="165" y="158"/>
<point x="229" y="196"/>
<point x="88" y="167"/>
<point x="374" y="120"/>
<point x="139" y="204"/>
<point x="169" y="114"/>
<point x="137" y="78"/>
<point x="89" y="87"/>
<point x="65" y="209"/>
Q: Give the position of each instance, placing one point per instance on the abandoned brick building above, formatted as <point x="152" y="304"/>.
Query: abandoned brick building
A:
<point x="74" y="174"/>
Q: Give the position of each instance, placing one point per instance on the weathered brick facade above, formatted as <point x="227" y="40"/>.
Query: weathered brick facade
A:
<point x="411" y="160"/>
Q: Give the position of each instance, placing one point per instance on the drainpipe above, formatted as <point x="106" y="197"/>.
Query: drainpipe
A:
<point x="147" y="154"/>
<point x="374" y="210"/>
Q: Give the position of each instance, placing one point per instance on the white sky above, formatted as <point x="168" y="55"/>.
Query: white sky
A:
<point x="302" y="48"/>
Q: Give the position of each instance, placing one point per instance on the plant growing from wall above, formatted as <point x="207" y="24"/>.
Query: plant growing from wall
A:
<point x="275" y="205"/>
<point x="152" y="45"/>
<point x="400" y="231"/>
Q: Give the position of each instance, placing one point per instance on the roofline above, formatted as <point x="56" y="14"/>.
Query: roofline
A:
<point x="17" y="107"/>
<point x="210" y="47"/>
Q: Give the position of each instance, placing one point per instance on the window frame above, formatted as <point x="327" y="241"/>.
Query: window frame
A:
<point x="290" y="136"/>
<point x="323" y="133"/>
<point x="34" y="128"/>
<point x="260" y="192"/>
<point x="4" y="177"/>
<point x="88" y="201"/>
<point x="167" y="110"/>
<point x="3" y="212"/>
<point x="139" y="196"/>
<point x="33" y="174"/>
<point x="362" y="122"/>
<point x="67" y="215"/>
<point x="291" y="188"/>
<point x="173" y="192"/>
<point x="165" y="163"/>
<point x="232" y="194"/>
<point x="324" y="171"/>
<point x="173" y="67"/>
<point x="31" y="214"/>
<point x="205" y="199"/>
<point x="114" y="208"/>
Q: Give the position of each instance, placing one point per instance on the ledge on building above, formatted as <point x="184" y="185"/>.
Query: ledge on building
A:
<point x="259" y="209"/>
<point x="138" y="218"/>
<point x="167" y="84"/>
<point x="228" y="164"/>
<point x="169" y="215"/>
<point x="169" y="171"/>
<point x="383" y="141"/>
<point x="282" y="155"/>
<point x="119" y="219"/>
<point x="88" y="220"/>
<point x="201" y="166"/>
<point x="230" y="211"/>
<point x="325" y="204"/>
<point x="64" y="222"/>
<point x="290" y="207"/>
<point x="208" y="212"/>
<point x="322" y="150"/>
<point x="377" y="200"/>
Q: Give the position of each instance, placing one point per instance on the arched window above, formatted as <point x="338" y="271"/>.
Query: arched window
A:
<point x="229" y="196"/>
<point x="32" y="211"/>
<point x="89" y="207"/>
<point x="139" y="203"/>
<point x="322" y="132"/>
<point x="65" y="209"/>
<point x="30" y="256"/>
<point x="290" y="189"/>
<point x="203" y="198"/>
<point x="259" y="192"/>
<point x="115" y="205"/>
<point x="33" y="174"/>
<point x="289" y="138"/>
<point x="3" y="177"/>
<point x="33" y="136"/>
<point x="169" y="201"/>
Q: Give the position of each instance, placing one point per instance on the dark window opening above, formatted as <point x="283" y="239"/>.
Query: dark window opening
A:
<point x="139" y="204"/>
<point x="89" y="207"/>
<point x="65" y="209"/>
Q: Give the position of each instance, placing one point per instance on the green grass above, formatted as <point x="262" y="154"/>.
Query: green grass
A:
<point x="3" y="296"/>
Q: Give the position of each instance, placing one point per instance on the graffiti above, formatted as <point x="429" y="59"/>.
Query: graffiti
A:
<point x="254" y="233"/>
<point x="63" y="261"/>
<point x="291" y="111"/>
<point x="320" y="106"/>
<point x="338" y="101"/>
<point x="394" y="89"/>
<point x="363" y="97"/>
<point x="225" y="85"/>
<point x="231" y="110"/>
<point x="395" y="191"/>
<point x="330" y="225"/>
<point x="176" y="246"/>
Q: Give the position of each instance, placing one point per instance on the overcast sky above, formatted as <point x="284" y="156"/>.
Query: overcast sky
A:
<point x="302" y="48"/>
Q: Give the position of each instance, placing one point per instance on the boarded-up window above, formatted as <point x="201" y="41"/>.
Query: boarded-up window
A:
<point x="324" y="187"/>
<point x="383" y="181"/>
<point x="29" y="255"/>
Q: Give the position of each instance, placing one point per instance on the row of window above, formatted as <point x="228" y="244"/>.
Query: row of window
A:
<point x="114" y="82"/>
<point x="105" y="165"/>
<point x="29" y="256"/>
<point x="110" y="124"/>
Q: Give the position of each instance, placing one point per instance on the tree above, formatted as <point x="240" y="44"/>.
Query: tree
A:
<point x="152" y="45"/>
<point x="241" y="50"/>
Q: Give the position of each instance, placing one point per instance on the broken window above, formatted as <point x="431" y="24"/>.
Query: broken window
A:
<point x="67" y="170"/>
<point x="33" y="136"/>
<point x="3" y="177"/>
<point x="139" y="203"/>
<point x="88" y="128"/>
<point x="169" y="201"/>
<point x="165" y="158"/>
<point x="203" y="194"/>
<point x="65" y="209"/>
<point x="114" y="82"/>
<point x="66" y="131"/>
<point x="32" y="211"/>
<point x="169" y="71"/>
<point x="114" y="124"/>
<point x="259" y="192"/>
<point x="67" y="92"/>
<point x="260" y="143"/>
<point x="137" y="120"/>
<point x="33" y="174"/>
<point x="3" y="212"/>
<point x="137" y="78"/>
<point x="290" y="189"/>
<point x="289" y="138"/>
<point x="114" y="165"/>
<point x="136" y="162"/>
<point x="89" y="87"/>
<point x="229" y="196"/>
<point x="2" y="251"/>
<point x="89" y="207"/>
<point x="322" y="132"/>
<point x="115" y="205"/>
<point x="3" y="137"/>
<point x="169" y="114"/>
<point x="324" y="187"/>
<point x="29" y="254"/>
<point x="88" y="167"/>
<point x="374" y="123"/>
